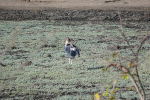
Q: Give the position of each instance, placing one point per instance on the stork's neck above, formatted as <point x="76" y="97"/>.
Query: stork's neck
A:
<point x="69" y="44"/>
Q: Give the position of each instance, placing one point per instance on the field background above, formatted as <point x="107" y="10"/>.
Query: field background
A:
<point x="34" y="66"/>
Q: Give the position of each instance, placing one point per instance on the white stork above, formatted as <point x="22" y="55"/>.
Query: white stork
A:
<point x="71" y="50"/>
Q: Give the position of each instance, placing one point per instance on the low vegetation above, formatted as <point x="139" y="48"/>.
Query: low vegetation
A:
<point x="33" y="64"/>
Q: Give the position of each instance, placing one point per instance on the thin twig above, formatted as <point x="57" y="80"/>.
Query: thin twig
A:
<point x="141" y="91"/>
<point x="123" y="34"/>
<point x="142" y="43"/>
<point x="136" y="86"/>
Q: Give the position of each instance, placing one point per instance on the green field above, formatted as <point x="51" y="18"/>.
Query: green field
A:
<point x="48" y="75"/>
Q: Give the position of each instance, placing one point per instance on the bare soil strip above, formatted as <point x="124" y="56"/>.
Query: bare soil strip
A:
<point x="72" y="15"/>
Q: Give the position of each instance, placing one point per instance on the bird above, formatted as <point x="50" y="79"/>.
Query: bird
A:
<point x="71" y="50"/>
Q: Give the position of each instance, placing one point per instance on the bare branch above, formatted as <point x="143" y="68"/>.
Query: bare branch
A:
<point x="142" y="43"/>
<point x="138" y="84"/>
<point x="123" y="34"/>
<point x="120" y="67"/>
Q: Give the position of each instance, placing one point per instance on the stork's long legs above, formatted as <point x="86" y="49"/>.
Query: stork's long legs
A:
<point x="70" y="61"/>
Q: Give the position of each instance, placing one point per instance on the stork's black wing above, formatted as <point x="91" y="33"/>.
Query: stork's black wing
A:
<point x="72" y="50"/>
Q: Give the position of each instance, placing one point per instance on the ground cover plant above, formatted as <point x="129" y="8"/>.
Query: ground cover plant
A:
<point x="33" y="63"/>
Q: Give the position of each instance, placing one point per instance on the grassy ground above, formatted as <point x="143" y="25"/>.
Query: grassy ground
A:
<point x="34" y="66"/>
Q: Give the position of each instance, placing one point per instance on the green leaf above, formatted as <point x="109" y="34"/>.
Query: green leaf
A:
<point x="125" y="76"/>
<point x="106" y="93"/>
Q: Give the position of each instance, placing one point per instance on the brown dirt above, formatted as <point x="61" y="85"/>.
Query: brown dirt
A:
<point x="97" y="10"/>
<point x="75" y="4"/>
